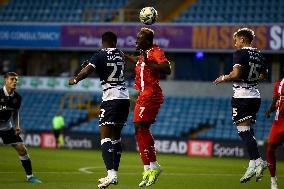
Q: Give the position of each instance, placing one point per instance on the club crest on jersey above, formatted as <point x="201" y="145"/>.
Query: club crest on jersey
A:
<point x="3" y="107"/>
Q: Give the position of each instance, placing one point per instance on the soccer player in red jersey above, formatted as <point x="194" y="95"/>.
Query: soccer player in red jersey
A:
<point x="276" y="136"/>
<point x="149" y="65"/>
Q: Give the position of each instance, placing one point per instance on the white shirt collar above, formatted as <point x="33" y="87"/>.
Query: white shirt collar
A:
<point x="6" y="92"/>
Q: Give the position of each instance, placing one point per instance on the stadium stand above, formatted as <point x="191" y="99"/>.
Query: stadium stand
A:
<point x="201" y="11"/>
<point x="38" y="109"/>
<point x="195" y="117"/>
<point x="60" y="11"/>
<point x="241" y="11"/>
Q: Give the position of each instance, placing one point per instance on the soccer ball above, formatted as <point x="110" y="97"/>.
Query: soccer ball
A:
<point x="148" y="15"/>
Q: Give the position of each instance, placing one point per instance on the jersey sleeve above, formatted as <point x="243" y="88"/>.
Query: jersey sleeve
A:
<point x="275" y="91"/>
<point x="238" y="58"/>
<point x="95" y="59"/>
<point x="158" y="56"/>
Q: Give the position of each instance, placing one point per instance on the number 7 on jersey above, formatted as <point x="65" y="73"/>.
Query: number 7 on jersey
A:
<point x="141" y="111"/>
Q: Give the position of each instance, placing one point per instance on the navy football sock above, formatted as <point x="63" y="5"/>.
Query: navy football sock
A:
<point x="116" y="145"/>
<point x="107" y="153"/>
<point x="251" y="144"/>
<point x="27" y="164"/>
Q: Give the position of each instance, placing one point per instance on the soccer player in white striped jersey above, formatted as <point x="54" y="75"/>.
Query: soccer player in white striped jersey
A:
<point x="109" y="64"/>
<point x="249" y="68"/>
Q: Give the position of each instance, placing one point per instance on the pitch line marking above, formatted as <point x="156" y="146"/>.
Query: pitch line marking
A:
<point x="87" y="171"/>
<point x="129" y="173"/>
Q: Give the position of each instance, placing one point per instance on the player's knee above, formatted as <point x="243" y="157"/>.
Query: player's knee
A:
<point x="21" y="149"/>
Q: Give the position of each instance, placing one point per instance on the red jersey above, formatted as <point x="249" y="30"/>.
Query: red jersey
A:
<point x="279" y="94"/>
<point x="147" y="78"/>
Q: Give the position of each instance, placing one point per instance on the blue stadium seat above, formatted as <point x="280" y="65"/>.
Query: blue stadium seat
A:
<point x="178" y="115"/>
<point x="243" y="11"/>
<point x="58" y="11"/>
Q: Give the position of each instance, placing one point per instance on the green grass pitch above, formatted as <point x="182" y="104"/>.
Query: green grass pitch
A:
<point x="60" y="169"/>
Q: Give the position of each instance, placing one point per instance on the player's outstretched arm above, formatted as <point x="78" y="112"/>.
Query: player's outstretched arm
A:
<point x="234" y="75"/>
<point x="131" y="58"/>
<point x="272" y="107"/>
<point x="163" y="68"/>
<point x="82" y="75"/>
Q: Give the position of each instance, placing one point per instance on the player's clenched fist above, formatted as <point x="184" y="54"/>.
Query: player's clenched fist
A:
<point x="72" y="82"/>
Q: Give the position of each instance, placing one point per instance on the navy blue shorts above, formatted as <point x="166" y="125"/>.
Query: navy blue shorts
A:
<point x="10" y="137"/>
<point x="114" y="112"/>
<point x="244" y="109"/>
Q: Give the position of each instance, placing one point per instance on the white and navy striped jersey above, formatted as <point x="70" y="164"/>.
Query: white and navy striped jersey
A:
<point x="252" y="64"/>
<point x="110" y="64"/>
<point x="9" y="104"/>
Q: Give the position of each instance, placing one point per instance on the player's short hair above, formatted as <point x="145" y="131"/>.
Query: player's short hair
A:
<point x="247" y="33"/>
<point x="149" y="33"/>
<point x="109" y="37"/>
<point x="8" y="74"/>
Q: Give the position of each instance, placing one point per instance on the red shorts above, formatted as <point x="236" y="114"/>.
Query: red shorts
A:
<point x="147" y="108"/>
<point x="276" y="135"/>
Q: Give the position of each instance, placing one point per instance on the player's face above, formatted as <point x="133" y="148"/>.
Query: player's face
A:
<point x="239" y="42"/>
<point x="140" y="41"/>
<point x="11" y="82"/>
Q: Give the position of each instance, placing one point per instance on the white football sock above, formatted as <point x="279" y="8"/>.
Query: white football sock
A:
<point x="146" y="167"/>
<point x="154" y="165"/>
<point x="273" y="179"/>
<point x="29" y="176"/>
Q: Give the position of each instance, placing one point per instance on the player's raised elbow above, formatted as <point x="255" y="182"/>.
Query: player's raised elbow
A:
<point x="235" y="73"/>
<point x="168" y="69"/>
<point x="234" y="76"/>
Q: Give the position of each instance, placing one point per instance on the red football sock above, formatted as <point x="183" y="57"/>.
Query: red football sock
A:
<point x="271" y="160"/>
<point x="148" y="141"/>
<point x="141" y="148"/>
